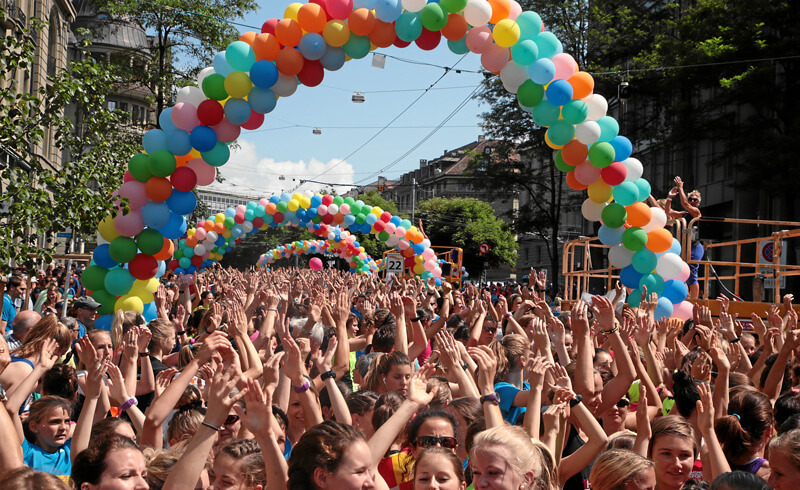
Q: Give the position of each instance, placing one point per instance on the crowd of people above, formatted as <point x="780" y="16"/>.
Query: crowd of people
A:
<point x="290" y="378"/>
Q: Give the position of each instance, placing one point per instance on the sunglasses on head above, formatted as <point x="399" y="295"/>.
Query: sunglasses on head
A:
<point x="430" y="441"/>
<point x="623" y="403"/>
<point x="231" y="419"/>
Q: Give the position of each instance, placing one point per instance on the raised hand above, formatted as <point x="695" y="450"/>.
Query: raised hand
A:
<point x="324" y="362"/>
<point x="537" y="368"/>
<point x="272" y="372"/>
<point x="560" y="377"/>
<point x="143" y="338"/>
<point x="418" y="386"/>
<point x="579" y="319"/>
<point x="48" y="354"/>
<point x="487" y="367"/>
<point x="705" y="409"/>
<point x="116" y="385"/>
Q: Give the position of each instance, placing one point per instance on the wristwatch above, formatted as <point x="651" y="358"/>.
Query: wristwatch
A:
<point x="491" y="397"/>
<point x="327" y="374"/>
<point x="576" y="400"/>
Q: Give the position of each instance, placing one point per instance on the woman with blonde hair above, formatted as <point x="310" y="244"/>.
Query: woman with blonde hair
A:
<point x="621" y="469"/>
<point x="29" y="354"/>
<point x="506" y="458"/>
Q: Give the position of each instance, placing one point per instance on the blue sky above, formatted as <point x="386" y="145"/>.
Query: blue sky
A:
<point x="285" y="145"/>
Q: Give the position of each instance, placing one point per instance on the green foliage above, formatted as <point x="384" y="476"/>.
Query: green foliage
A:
<point x="466" y="223"/>
<point x="246" y="254"/>
<point x="374" y="247"/>
<point x="53" y="196"/>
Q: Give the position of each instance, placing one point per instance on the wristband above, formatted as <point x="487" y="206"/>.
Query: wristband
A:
<point x="328" y="374"/>
<point x="272" y="309"/>
<point x="210" y="426"/>
<point x="465" y="366"/>
<point x="733" y="341"/>
<point x="613" y="330"/>
<point x="491" y="397"/>
<point x="144" y="354"/>
<point x="182" y="332"/>
<point x="416" y="319"/>
<point x="303" y="387"/>
<point x="128" y="404"/>
<point x="509" y="314"/>
<point x="576" y="400"/>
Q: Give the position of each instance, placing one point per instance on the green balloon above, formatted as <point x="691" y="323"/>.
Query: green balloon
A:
<point x="122" y="249"/>
<point x="383" y="236"/>
<point x="214" y="87"/>
<point x="316" y="219"/>
<point x="119" y="281"/>
<point x="434" y="17"/>
<point x="453" y="6"/>
<point x="357" y="47"/>
<point x="545" y="113"/>
<point x="347" y="200"/>
<point x="530" y="94"/>
<point x="361" y="219"/>
<point x="162" y="163"/>
<point x="178" y="254"/>
<point x="459" y="46"/>
<point x="601" y="155"/>
<point x="338" y="200"/>
<point x="218" y="155"/>
<point x="561" y="132"/>
<point x="150" y="241"/>
<point x="634" y="238"/>
<point x="139" y="168"/>
<point x="355" y="208"/>
<point x="614" y="215"/>
<point x="106" y="300"/>
<point x="282" y="206"/>
<point x="575" y="111"/>
<point x="93" y="277"/>
<point x="561" y="164"/>
<point x="230" y="223"/>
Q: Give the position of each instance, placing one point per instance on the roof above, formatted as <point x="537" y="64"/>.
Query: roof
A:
<point x="119" y="33"/>
<point x="461" y="165"/>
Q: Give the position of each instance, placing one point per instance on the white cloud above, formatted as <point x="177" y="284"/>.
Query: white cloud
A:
<point x="248" y="174"/>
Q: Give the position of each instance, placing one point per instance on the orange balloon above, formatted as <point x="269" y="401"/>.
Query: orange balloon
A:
<point x="361" y="22"/>
<point x="288" y="33"/>
<point x="183" y="160"/>
<point x="573" y="183"/>
<point x="166" y="251"/>
<point x="338" y="218"/>
<point x="582" y="85"/>
<point x="249" y="37"/>
<point x="191" y="240"/>
<point x="266" y="47"/>
<point x="158" y="189"/>
<point x="409" y="252"/>
<point x="456" y="27"/>
<point x="639" y="214"/>
<point x="500" y="10"/>
<point x="311" y="17"/>
<point x="574" y="153"/>
<point x="659" y="240"/>
<point x="219" y="228"/>
<point x="382" y="34"/>
<point x="209" y="225"/>
<point x="290" y="62"/>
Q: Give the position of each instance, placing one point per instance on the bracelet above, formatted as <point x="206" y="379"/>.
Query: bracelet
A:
<point x="576" y="400"/>
<point x="733" y="341"/>
<point x="669" y="199"/>
<point x="416" y="319"/>
<point x="210" y="426"/>
<point x="144" y="354"/>
<point x="613" y="330"/>
<point x="303" y="387"/>
<point x="328" y="374"/>
<point x="465" y="366"/>
<point x="182" y="332"/>
<point x="490" y="397"/>
<point x="272" y="309"/>
<point x="128" y="404"/>
<point x="509" y="314"/>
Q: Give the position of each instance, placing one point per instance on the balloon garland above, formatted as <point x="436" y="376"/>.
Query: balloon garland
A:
<point x="245" y="83"/>
<point x="339" y="249"/>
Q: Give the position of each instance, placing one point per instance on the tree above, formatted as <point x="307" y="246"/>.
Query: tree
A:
<point x="374" y="247"/>
<point x="74" y="195"/>
<point x="466" y="223"/>
<point x="187" y="34"/>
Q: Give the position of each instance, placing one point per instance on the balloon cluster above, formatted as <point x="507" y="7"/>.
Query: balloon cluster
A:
<point x="335" y="248"/>
<point x="245" y="83"/>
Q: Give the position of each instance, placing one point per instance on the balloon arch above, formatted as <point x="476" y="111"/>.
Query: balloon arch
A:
<point x="245" y="83"/>
<point x="340" y="243"/>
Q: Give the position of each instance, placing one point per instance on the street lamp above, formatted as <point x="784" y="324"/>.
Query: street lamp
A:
<point x="358" y="98"/>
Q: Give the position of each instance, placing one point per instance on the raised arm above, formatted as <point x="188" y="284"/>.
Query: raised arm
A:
<point x="536" y="368"/>
<point x="83" y="428"/>
<point x="487" y="369"/>
<point x="617" y="387"/>
<point x="718" y="463"/>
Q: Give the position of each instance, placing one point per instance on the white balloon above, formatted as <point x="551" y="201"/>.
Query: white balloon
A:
<point x="247" y="226"/>
<point x="513" y="75"/>
<point x="199" y="249"/>
<point x="414" y="5"/>
<point x="591" y="210"/>
<point x="620" y="257"/>
<point x="478" y="12"/>
<point x="333" y="208"/>
<point x="212" y="235"/>
<point x="669" y="266"/>
<point x="285" y="86"/>
<point x="635" y="169"/>
<point x="658" y="218"/>
<point x="190" y="95"/>
<point x="598" y="106"/>
<point x="587" y="132"/>
<point x="203" y="74"/>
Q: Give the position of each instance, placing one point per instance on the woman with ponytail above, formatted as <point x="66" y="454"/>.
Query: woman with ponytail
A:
<point x="512" y="353"/>
<point x="389" y="372"/>
<point x="745" y="432"/>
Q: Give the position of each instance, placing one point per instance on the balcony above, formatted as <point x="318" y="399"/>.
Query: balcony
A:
<point x="13" y="11"/>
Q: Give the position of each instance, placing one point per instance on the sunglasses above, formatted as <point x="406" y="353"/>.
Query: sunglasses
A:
<point x="623" y="403"/>
<point x="490" y="329"/>
<point x="231" y="419"/>
<point x="430" y="441"/>
<point x="693" y="199"/>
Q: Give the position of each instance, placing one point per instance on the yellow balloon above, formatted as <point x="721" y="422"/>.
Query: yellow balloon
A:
<point x="599" y="192"/>
<point x="506" y="33"/>
<point x="129" y="303"/>
<point x="419" y="269"/>
<point x="293" y="205"/>
<point x="190" y="231"/>
<point x="336" y="33"/>
<point x="377" y="211"/>
<point x="291" y="11"/>
<point x="139" y="290"/>
<point x="226" y="233"/>
<point x="238" y="84"/>
<point x="551" y="144"/>
<point x="219" y="218"/>
<point x="106" y="228"/>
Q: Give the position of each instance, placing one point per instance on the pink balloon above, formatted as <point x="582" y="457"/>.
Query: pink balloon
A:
<point x="200" y="234"/>
<point x="184" y="116"/>
<point x="684" y="275"/>
<point x="565" y="66"/>
<point x="586" y="173"/>
<point x="226" y="131"/>
<point x="339" y="9"/>
<point x="130" y="224"/>
<point x="682" y="310"/>
<point x="315" y="264"/>
<point x="135" y="192"/>
<point x="205" y="172"/>
<point x="516" y="9"/>
<point x="495" y="58"/>
<point x="479" y="39"/>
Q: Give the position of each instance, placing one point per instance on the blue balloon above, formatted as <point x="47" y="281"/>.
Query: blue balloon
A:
<point x="175" y="227"/>
<point x="654" y="283"/>
<point x="162" y="268"/>
<point x="203" y="138"/>
<point x="221" y="65"/>
<point x="630" y="277"/>
<point x="664" y="309"/>
<point x="220" y="241"/>
<point x="622" y="148"/>
<point x="262" y="100"/>
<point x="459" y="46"/>
<point x="150" y="313"/>
<point x="118" y="281"/>
<point x="610" y="236"/>
<point x="530" y="24"/>
<point x="626" y="193"/>
<point x="264" y="74"/>
<point x="285" y="197"/>
<point x="333" y="59"/>
<point x="316" y="200"/>
<point x="395" y="220"/>
<point x="165" y="120"/>
<point x="675" y="248"/>
<point x="155" y="214"/>
<point x="102" y="257"/>
<point x="644" y="261"/>
<point x="178" y="142"/>
<point x="230" y="213"/>
<point x="237" y="111"/>
<point x="104" y="322"/>
<point x="154" y="140"/>
<point x="542" y="71"/>
<point x="644" y="189"/>
<point x="182" y="203"/>
<point x="675" y="291"/>
<point x="363" y="4"/>
<point x="409" y="26"/>
<point x="388" y="10"/>
<point x="312" y="46"/>
<point x="548" y="44"/>
<point x="559" y="92"/>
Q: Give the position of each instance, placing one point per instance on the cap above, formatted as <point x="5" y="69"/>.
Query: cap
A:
<point x="86" y="302"/>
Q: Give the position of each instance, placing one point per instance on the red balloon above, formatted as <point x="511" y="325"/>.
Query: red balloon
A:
<point x="327" y="219"/>
<point x="143" y="267"/>
<point x="323" y="4"/>
<point x="173" y="264"/>
<point x="127" y="177"/>
<point x="379" y="226"/>
<point x="614" y="174"/>
<point x="327" y="199"/>
<point x="210" y="112"/>
<point x="400" y="43"/>
<point x="428" y="40"/>
<point x="269" y="26"/>
<point x="255" y="121"/>
<point x="312" y="73"/>
<point x="258" y="222"/>
<point x="239" y="218"/>
<point x="183" y="179"/>
<point x="277" y="217"/>
<point x="196" y="260"/>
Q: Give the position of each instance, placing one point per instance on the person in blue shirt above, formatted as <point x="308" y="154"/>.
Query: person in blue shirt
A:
<point x="509" y="384"/>
<point x="50" y="426"/>
<point x="15" y="290"/>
